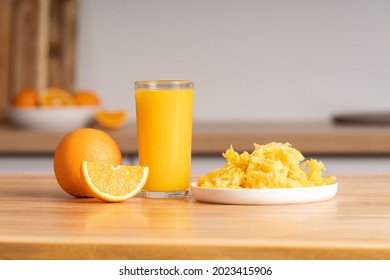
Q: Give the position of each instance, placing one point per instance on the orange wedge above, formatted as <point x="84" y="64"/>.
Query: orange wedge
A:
<point x="55" y="97"/>
<point x="113" y="183"/>
<point x="111" y="119"/>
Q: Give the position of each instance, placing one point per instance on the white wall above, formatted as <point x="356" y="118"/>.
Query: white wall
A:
<point x="250" y="59"/>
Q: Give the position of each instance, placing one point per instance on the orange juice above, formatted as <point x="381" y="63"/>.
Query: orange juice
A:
<point x="164" y="125"/>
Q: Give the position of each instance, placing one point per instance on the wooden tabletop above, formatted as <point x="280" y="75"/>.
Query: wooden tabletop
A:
<point x="320" y="138"/>
<point x="39" y="221"/>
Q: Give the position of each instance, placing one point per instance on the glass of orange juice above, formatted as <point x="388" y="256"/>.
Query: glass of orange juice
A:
<point x="164" y="127"/>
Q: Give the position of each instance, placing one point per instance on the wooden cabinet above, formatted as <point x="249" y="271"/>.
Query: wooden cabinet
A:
<point x="38" y="46"/>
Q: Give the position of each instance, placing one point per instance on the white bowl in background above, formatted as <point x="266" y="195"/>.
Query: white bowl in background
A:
<point x="52" y="119"/>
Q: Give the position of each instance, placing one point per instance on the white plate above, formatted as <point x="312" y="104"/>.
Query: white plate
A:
<point x="263" y="196"/>
<point x="52" y="119"/>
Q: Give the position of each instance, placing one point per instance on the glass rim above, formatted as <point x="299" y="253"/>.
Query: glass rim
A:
<point x="164" y="84"/>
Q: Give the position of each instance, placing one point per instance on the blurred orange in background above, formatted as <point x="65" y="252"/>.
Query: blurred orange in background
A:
<point x="55" y="97"/>
<point x="61" y="100"/>
<point x="26" y="98"/>
<point x="111" y="119"/>
<point x="86" y="98"/>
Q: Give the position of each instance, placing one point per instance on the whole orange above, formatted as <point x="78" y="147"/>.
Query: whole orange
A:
<point x="84" y="144"/>
<point x="26" y="98"/>
<point x="86" y="98"/>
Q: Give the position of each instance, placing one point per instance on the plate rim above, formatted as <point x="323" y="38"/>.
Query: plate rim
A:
<point x="322" y="193"/>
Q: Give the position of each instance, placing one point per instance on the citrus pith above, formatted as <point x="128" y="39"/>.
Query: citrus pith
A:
<point x="113" y="183"/>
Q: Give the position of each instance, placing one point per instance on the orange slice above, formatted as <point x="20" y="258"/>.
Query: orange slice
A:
<point x="113" y="183"/>
<point x="55" y="97"/>
<point x="111" y="119"/>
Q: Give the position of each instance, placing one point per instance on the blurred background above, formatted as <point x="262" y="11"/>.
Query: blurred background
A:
<point x="252" y="62"/>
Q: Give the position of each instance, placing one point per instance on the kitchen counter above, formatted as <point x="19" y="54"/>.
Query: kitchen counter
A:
<point x="40" y="221"/>
<point x="213" y="138"/>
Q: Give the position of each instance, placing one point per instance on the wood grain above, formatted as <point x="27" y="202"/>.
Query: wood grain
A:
<point x="63" y="37"/>
<point x="40" y="221"/>
<point x="5" y="39"/>
<point x="43" y="45"/>
<point x="38" y="46"/>
<point x="213" y="138"/>
<point x="24" y="45"/>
